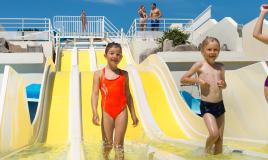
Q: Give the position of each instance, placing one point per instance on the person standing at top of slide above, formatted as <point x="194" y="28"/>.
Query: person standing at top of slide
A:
<point x="155" y="14"/>
<point x="83" y="20"/>
<point x="143" y="18"/>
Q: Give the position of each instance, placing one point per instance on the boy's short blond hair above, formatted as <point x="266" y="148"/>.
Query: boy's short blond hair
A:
<point x="207" y="40"/>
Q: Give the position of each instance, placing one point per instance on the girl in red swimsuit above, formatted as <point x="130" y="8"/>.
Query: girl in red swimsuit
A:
<point x="257" y="33"/>
<point x="114" y="86"/>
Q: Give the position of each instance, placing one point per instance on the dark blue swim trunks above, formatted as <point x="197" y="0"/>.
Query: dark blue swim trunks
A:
<point x="155" y="23"/>
<point x="216" y="109"/>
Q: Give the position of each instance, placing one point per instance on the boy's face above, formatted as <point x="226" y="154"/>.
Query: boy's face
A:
<point x="113" y="56"/>
<point x="211" y="52"/>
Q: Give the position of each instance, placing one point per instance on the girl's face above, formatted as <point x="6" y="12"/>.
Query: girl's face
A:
<point x="211" y="52"/>
<point x="113" y="56"/>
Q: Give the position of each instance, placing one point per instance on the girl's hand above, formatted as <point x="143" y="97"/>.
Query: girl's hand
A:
<point x="96" y="119"/>
<point x="221" y="84"/>
<point x="264" y="8"/>
<point x="135" y="120"/>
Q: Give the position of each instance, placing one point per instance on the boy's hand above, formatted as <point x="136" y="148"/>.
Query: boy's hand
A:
<point x="203" y="83"/>
<point x="264" y="8"/>
<point x="135" y="120"/>
<point x="96" y="119"/>
<point x="221" y="84"/>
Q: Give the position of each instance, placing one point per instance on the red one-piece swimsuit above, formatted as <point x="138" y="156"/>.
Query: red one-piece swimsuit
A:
<point x="113" y="94"/>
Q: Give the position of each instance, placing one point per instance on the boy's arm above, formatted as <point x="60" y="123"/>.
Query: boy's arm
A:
<point x="95" y="97"/>
<point x="187" y="77"/>
<point x="160" y="13"/>
<point x="223" y="76"/>
<point x="258" y="27"/>
<point x="130" y="103"/>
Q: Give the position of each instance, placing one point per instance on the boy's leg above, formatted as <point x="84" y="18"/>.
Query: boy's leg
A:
<point x="107" y="128"/>
<point x="213" y="130"/>
<point x="218" y="143"/>
<point x="120" y="130"/>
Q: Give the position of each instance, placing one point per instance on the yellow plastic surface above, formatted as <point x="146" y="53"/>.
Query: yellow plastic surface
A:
<point x="83" y="60"/>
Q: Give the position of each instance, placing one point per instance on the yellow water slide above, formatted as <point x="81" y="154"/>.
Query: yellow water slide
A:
<point x="161" y="127"/>
<point x="137" y="144"/>
<point x="91" y="133"/>
<point x="50" y="132"/>
<point x="168" y="129"/>
<point x="241" y="133"/>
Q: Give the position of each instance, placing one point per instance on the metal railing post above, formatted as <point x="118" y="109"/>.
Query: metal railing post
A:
<point x="164" y="25"/>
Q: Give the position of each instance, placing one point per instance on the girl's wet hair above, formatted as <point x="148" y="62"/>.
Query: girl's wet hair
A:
<point x="112" y="45"/>
<point x="141" y="6"/>
<point x="207" y="40"/>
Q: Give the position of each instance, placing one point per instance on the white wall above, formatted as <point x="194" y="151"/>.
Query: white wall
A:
<point x="201" y="30"/>
<point x="47" y="46"/>
<point x="226" y="32"/>
<point x="252" y="46"/>
<point x="138" y="46"/>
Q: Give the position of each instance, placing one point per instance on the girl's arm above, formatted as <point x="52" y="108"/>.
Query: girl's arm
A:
<point x="144" y="14"/>
<point x="187" y="77"/>
<point x="95" y="97"/>
<point x="130" y="103"/>
<point x="258" y="27"/>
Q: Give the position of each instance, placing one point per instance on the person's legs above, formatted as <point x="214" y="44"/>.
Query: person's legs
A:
<point x="152" y="25"/>
<point x="213" y="130"/>
<point x="83" y="26"/>
<point x="107" y="128"/>
<point x="157" y="25"/>
<point x="120" y="130"/>
<point x="218" y="144"/>
<point x="141" y="25"/>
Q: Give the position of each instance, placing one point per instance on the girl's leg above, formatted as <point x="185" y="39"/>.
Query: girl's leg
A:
<point x="213" y="130"/>
<point x="218" y="143"/>
<point x="120" y="130"/>
<point x="266" y="93"/>
<point x="107" y="127"/>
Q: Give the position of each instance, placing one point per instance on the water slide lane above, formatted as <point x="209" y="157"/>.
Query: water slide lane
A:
<point x="55" y="145"/>
<point x="247" y="80"/>
<point x="91" y="133"/>
<point x="134" y="136"/>
<point x="159" y="106"/>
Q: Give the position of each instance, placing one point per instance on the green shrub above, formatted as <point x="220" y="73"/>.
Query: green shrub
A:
<point x="176" y="35"/>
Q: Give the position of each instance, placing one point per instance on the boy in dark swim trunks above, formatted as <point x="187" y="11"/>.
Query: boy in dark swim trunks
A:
<point x="212" y="81"/>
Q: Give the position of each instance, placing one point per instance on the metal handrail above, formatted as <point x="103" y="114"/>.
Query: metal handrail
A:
<point x="26" y="28"/>
<point x="201" y="14"/>
<point x="164" y="24"/>
<point x="96" y="27"/>
<point x="201" y="18"/>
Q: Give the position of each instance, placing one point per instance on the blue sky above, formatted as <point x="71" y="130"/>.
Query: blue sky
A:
<point x="122" y="12"/>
